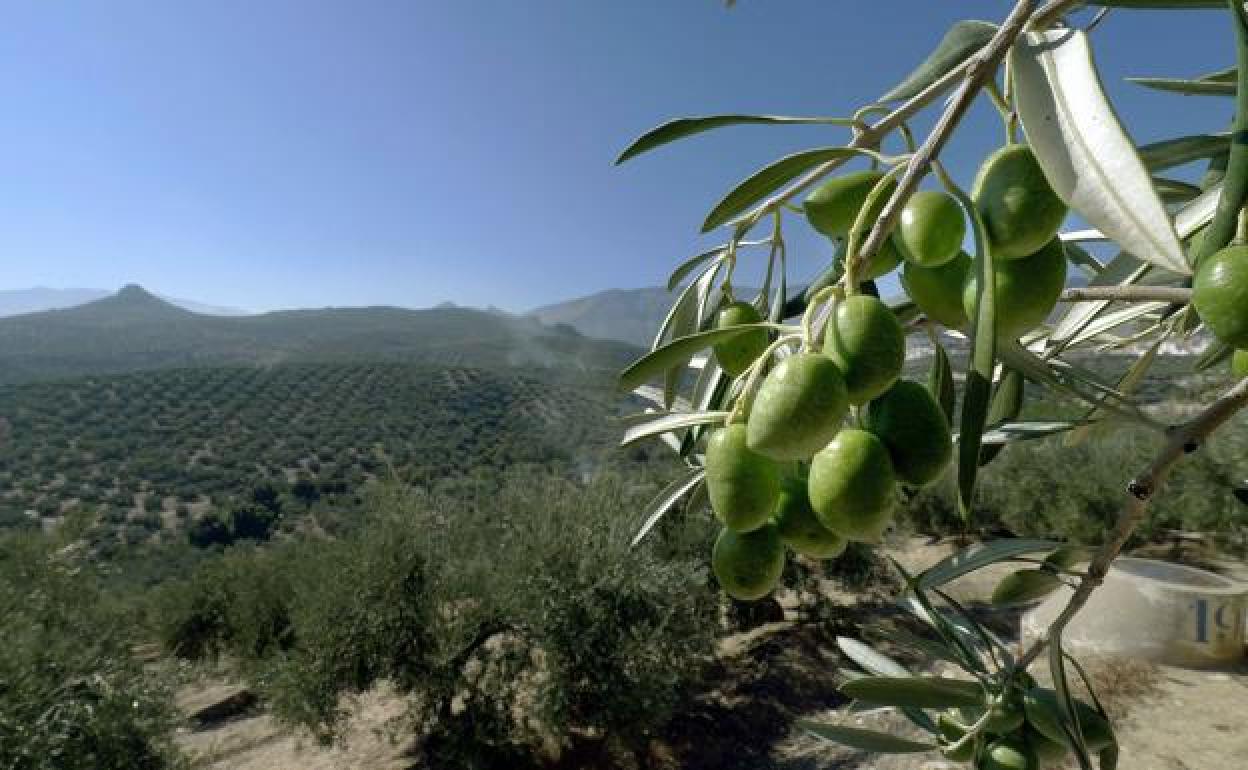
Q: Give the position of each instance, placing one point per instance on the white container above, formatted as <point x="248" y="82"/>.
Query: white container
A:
<point x="1154" y="610"/>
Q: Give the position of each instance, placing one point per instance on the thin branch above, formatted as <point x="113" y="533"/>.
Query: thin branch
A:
<point x="1184" y="439"/>
<point x="981" y="67"/>
<point x="1053" y="11"/>
<point x="868" y="138"/>
<point x="1179" y="295"/>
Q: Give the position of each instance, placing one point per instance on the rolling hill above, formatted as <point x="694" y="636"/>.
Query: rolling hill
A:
<point x="133" y="329"/>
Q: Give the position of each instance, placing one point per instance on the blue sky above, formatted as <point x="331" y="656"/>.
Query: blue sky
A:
<point x="282" y="153"/>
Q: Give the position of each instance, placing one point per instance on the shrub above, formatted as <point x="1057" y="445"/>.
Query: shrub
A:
<point x="71" y="697"/>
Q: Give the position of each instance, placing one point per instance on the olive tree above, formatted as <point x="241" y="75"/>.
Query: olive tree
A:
<point x="798" y="428"/>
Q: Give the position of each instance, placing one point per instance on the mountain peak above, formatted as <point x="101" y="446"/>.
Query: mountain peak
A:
<point x="133" y="291"/>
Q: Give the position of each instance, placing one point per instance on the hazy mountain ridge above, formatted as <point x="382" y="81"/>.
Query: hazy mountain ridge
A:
<point x="41" y="298"/>
<point x="134" y="329"/>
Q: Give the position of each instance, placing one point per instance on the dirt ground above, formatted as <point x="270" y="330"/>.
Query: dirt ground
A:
<point x="1167" y="718"/>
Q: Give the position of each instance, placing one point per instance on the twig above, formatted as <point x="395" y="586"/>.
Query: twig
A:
<point x="866" y="139"/>
<point x="1184" y="439"/>
<point x="981" y="67"/>
<point x="1129" y="294"/>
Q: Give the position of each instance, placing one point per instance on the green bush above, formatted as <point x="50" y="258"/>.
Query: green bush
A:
<point x="238" y="604"/>
<point x="71" y="696"/>
<point x="491" y="597"/>
<point x="1046" y="488"/>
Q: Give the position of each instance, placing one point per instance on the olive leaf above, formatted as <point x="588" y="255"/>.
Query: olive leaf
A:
<point x="684" y="127"/>
<point x="1168" y="153"/>
<point x="871" y="661"/>
<point x="1187" y="87"/>
<point x="940" y="381"/>
<point x="1216" y="354"/>
<point x="864" y="740"/>
<point x="1083" y="149"/>
<point x="1174" y="190"/>
<point x="978" y="556"/>
<point x="922" y="692"/>
<point x="1079" y="256"/>
<point x="1066" y="703"/>
<point x="962" y="40"/>
<point x="977" y="388"/>
<point x="666" y="423"/>
<point x="1009" y="432"/>
<point x="769" y="179"/>
<point x="679" y="351"/>
<point x="1006" y="406"/>
<point x="1128" y="383"/>
<point x="1178" y="5"/>
<point x="666" y="500"/>
<point x="683" y="270"/>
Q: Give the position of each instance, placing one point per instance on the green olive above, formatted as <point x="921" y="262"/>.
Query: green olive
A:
<point x="931" y="229"/>
<point x="913" y="427"/>
<point x="736" y="355"/>
<point x="799" y="525"/>
<point x="1220" y="294"/>
<point x="866" y="341"/>
<point x="743" y="486"/>
<point x="1019" y="209"/>
<point x="938" y="290"/>
<point x="834" y="205"/>
<point x="799" y="407"/>
<point x="852" y="486"/>
<point x="748" y="565"/>
<point x="1027" y="289"/>
<point x="1009" y="753"/>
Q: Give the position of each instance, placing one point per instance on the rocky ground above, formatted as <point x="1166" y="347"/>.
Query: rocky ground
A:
<point x="1168" y="718"/>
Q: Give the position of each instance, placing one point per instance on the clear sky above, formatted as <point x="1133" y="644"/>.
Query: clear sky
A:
<point x="281" y="153"/>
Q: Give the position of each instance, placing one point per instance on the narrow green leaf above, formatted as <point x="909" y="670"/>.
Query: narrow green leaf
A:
<point x="924" y="692"/>
<point x="1006" y="406"/>
<point x="684" y="127"/>
<point x="940" y="381"/>
<point x="864" y="740"/>
<point x="1175" y="191"/>
<point x="1168" y="153"/>
<point x="962" y="40"/>
<point x="1107" y="759"/>
<point x="977" y="388"/>
<point x="769" y="179"/>
<point x="677" y="352"/>
<point x="979" y="556"/>
<point x="666" y="500"/>
<point x="1008" y="433"/>
<point x="1176" y="5"/>
<point x="1187" y="87"/>
<point x="666" y="423"/>
<point x="1130" y="381"/>
<point x="872" y="662"/>
<point x="689" y="265"/>
<point x="1079" y="256"/>
<point x="1216" y="354"/>
<point x="1066" y="703"/>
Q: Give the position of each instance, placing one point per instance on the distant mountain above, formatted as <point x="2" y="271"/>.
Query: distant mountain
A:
<point x="134" y="329"/>
<point x="627" y="315"/>
<point x="40" y="298"/>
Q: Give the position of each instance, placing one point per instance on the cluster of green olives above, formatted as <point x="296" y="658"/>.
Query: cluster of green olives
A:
<point x="793" y="473"/>
<point x="1022" y="729"/>
<point x="1021" y="214"/>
